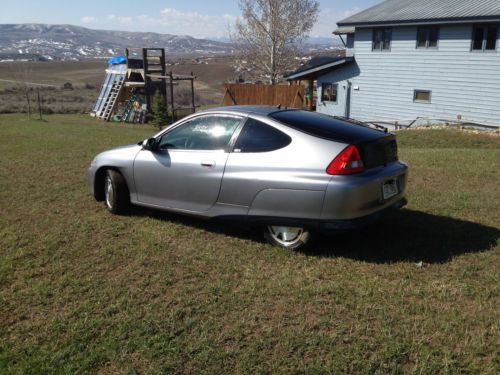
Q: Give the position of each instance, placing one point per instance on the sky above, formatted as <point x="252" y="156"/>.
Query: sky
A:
<point x="201" y="19"/>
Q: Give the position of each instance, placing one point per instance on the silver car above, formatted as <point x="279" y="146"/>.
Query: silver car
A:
<point x="289" y="171"/>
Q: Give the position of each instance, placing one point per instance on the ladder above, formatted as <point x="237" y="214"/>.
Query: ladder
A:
<point x="150" y="62"/>
<point x="109" y="102"/>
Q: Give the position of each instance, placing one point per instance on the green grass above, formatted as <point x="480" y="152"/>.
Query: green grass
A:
<point x="82" y="291"/>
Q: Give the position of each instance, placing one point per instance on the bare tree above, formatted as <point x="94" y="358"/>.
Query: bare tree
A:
<point x="269" y="32"/>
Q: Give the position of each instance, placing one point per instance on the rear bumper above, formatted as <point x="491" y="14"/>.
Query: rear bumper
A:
<point x="360" y="222"/>
<point x="321" y="225"/>
<point x="357" y="196"/>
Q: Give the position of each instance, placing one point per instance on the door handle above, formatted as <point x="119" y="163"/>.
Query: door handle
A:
<point x="208" y="163"/>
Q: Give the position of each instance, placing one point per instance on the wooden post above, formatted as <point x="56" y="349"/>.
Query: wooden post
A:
<point x="162" y="62"/>
<point x="164" y="78"/>
<point x="301" y="100"/>
<point x="228" y="92"/>
<point x="192" y="92"/>
<point x="39" y="102"/>
<point x="172" y="95"/>
<point x="29" y="103"/>
<point x="147" y="80"/>
<point x="165" y="92"/>
<point x="310" y="95"/>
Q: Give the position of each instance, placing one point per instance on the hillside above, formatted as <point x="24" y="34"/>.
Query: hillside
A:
<point x="41" y="42"/>
<point x="54" y="42"/>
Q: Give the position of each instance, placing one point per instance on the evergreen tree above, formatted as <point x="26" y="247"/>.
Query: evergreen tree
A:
<point x="159" y="110"/>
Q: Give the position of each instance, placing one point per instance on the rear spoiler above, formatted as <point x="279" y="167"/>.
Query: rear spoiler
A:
<point x="361" y="123"/>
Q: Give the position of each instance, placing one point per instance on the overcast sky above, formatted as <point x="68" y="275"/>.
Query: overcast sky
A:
<point x="202" y="19"/>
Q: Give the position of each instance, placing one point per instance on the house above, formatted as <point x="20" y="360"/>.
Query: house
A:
<point x="409" y="59"/>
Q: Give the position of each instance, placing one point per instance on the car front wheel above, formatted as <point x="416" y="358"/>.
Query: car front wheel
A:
<point x="116" y="193"/>
<point x="287" y="237"/>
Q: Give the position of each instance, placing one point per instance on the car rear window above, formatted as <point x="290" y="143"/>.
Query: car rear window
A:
<point x="259" y="137"/>
<point x="379" y="152"/>
<point x="327" y="127"/>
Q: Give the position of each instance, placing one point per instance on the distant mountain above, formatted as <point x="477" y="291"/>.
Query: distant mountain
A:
<point x="332" y="41"/>
<point x="54" y="42"/>
<point x="310" y="44"/>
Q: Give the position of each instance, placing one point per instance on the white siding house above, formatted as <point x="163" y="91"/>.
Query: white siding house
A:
<point x="436" y="68"/>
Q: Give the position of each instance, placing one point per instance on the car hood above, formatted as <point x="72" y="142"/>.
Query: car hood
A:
<point x="123" y="152"/>
<point x="125" y="148"/>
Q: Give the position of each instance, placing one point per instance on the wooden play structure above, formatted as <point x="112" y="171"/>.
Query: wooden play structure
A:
<point x="131" y="82"/>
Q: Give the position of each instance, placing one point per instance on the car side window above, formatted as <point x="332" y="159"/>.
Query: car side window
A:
<point x="259" y="137"/>
<point x="202" y="133"/>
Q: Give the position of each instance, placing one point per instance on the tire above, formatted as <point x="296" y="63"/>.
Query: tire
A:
<point x="116" y="194"/>
<point x="287" y="237"/>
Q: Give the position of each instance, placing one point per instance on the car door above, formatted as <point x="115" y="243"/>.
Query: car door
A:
<point x="257" y="162"/>
<point x="185" y="171"/>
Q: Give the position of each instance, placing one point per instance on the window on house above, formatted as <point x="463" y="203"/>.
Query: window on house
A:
<point x="329" y="92"/>
<point x="382" y="39"/>
<point x="422" y="96"/>
<point x="427" y="36"/>
<point x="491" y="38"/>
<point x="484" y="38"/>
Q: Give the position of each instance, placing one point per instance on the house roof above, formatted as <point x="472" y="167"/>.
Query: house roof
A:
<point x="345" y="30"/>
<point x="425" y="11"/>
<point x="316" y="66"/>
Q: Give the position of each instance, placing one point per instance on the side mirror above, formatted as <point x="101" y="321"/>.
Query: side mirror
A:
<point x="150" y="144"/>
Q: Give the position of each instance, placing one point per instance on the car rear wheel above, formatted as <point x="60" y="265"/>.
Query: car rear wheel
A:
<point x="116" y="193"/>
<point x="287" y="237"/>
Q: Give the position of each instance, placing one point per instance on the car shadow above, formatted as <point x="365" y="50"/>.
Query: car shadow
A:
<point x="402" y="235"/>
<point x="230" y="228"/>
<point x="407" y="235"/>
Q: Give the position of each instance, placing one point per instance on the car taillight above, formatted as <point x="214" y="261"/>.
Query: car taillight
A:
<point x="347" y="162"/>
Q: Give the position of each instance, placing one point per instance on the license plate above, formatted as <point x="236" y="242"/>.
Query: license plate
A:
<point x="390" y="189"/>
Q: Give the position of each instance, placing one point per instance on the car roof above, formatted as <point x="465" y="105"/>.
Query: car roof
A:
<point x="265" y="110"/>
<point x="312" y="123"/>
<point x="327" y="127"/>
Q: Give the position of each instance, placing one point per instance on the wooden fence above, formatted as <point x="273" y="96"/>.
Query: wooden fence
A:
<point x="250" y="94"/>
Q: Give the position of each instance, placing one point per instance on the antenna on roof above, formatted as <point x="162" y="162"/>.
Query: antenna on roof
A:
<point x="278" y="106"/>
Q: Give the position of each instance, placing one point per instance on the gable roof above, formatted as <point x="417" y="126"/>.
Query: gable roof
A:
<point x="425" y="11"/>
<point x="318" y="65"/>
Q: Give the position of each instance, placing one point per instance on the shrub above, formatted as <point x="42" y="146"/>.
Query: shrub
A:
<point x="159" y="110"/>
<point x="89" y="86"/>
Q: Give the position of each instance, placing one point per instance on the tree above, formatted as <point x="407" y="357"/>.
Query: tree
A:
<point x="269" y="32"/>
<point x="159" y="110"/>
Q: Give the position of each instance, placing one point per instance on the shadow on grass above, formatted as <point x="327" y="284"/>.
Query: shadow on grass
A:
<point x="402" y="235"/>
<point x="407" y="235"/>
